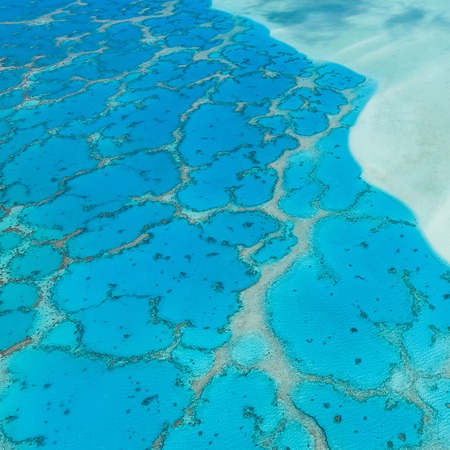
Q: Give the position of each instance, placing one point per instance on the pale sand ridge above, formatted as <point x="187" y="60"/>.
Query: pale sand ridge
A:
<point x="402" y="137"/>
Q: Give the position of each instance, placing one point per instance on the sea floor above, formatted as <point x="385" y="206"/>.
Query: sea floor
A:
<point x="401" y="138"/>
<point x="190" y="258"/>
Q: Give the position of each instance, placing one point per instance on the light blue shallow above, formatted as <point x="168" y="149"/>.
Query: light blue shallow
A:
<point x="154" y="168"/>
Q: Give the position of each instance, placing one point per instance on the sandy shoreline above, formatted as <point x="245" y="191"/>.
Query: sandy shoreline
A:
<point x="402" y="137"/>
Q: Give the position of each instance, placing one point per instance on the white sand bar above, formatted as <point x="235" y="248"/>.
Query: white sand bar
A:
<point x="402" y="137"/>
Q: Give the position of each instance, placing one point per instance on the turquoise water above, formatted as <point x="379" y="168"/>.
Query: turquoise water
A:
<point x="189" y="256"/>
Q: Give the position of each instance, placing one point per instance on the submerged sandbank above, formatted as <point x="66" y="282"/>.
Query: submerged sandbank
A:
<point x="402" y="138"/>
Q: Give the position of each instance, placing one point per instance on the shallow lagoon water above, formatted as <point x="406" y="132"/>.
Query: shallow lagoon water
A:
<point x="190" y="257"/>
<point x="400" y="139"/>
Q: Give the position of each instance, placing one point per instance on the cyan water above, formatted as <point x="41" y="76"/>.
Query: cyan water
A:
<point x="189" y="256"/>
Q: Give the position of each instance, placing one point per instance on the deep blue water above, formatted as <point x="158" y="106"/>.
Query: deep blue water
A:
<point x="189" y="256"/>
